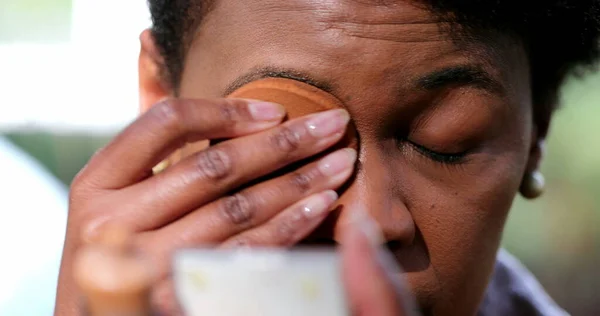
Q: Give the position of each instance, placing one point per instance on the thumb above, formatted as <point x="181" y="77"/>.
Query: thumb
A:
<point x="372" y="278"/>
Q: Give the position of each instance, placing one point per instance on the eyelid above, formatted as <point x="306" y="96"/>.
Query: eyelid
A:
<point x="447" y="158"/>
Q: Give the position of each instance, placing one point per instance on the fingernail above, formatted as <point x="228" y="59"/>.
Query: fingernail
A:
<point x="266" y="111"/>
<point x="328" y="123"/>
<point x="319" y="204"/>
<point x="363" y="223"/>
<point x="338" y="162"/>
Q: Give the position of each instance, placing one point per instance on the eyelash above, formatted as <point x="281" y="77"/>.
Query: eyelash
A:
<point x="445" y="158"/>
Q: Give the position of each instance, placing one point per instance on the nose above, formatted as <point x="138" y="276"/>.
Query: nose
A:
<point x="375" y="192"/>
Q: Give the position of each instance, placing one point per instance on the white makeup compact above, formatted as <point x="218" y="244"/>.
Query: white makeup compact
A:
<point x="259" y="282"/>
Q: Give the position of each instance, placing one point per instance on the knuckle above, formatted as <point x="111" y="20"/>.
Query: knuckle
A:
<point x="168" y="113"/>
<point x="81" y="185"/>
<point x="238" y="210"/>
<point x="80" y="180"/>
<point x="92" y="226"/>
<point x="214" y="163"/>
<point x="285" y="139"/>
<point x="77" y="186"/>
<point x="302" y="181"/>
<point x="230" y="111"/>
<point x="284" y="234"/>
<point x="286" y="230"/>
<point x="81" y="197"/>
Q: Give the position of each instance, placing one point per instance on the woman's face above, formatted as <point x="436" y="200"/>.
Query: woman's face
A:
<point x="445" y="127"/>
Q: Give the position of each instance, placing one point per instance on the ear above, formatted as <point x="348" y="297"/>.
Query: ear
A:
<point x="153" y="87"/>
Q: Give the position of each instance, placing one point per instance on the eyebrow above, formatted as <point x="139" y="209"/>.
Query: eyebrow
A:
<point x="271" y="72"/>
<point x="460" y="76"/>
<point x="465" y="75"/>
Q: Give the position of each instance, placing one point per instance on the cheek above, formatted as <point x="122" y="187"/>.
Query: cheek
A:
<point x="460" y="212"/>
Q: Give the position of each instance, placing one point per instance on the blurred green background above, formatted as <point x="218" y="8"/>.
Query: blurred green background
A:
<point x="42" y="21"/>
<point x="557" y="237"/>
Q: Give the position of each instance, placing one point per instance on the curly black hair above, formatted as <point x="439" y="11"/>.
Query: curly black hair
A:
<point x="561" y="36"/>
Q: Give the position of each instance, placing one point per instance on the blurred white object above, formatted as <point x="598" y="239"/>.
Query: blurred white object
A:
<point x="265" y="282"/>
<point x="33" y="218"/>
<point x="89" y="83"/>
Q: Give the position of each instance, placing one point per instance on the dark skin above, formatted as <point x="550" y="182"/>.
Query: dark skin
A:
<point x="446" y="134"/>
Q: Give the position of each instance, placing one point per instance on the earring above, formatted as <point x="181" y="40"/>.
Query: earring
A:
<point x="533" y="185"/>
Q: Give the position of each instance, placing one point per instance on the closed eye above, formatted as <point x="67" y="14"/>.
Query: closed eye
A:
<point x="447" y="158"/>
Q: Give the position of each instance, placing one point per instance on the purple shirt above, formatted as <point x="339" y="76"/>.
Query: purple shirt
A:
<point x="514" y="291"/>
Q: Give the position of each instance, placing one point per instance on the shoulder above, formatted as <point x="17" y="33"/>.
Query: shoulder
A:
<point x="513" y="290"/>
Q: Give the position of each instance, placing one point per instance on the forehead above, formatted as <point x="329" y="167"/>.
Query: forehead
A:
<point x="400" y="21"/>
<point x="381" y="42"/>
<point x="360" y="26"/>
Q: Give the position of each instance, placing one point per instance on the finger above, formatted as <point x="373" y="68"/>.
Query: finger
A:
<point x="169" y="125"/>
<point x="254" y="206"/>
<point x="289" y="227"/>
<point x="372" y="279"/>
<point x="164" y="299"/>
<point x="221" y="169"/>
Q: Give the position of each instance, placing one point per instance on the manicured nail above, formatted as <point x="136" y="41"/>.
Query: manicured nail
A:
<point x="364" y="224"/>
<point x="328" y="123"/>
<point x="338" y="162"/>
<point x="266" y="111"/>
<point x="319" y="204"/>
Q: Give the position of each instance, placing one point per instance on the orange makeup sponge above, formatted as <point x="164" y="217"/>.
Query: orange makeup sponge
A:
<point x="298" y="98"/>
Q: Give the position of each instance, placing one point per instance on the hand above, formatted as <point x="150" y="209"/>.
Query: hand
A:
<point x="372" y="278"/>
<point x="191" y="204"/>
